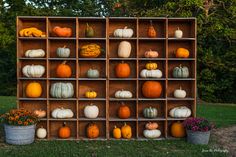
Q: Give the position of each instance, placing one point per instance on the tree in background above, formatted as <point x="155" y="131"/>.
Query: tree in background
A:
<point x="216" y="34"/>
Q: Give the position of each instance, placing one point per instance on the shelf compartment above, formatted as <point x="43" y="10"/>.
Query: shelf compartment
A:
<point x="173" y="45"/>
<point x="188" y="86"/>
<point x="84" y="66"/>
<point x="159" y="105"/>
<point x="161" y="65"/>
<point x="100" y="104"/>
<point x="119" y="85"/>
<point x="44" y="125"/>
<point x="24" y="83"/>
<point x="53" y="69"/>
<point x="189" y="64"/>
<point x="173" y="103"/>
<point x="169" y="124"/>
<point x="113" y="48"/>
<point x="113" y="64"/>
<point x="119" y="124"/>
<point x="96" y="86"/>
<point x="83" y="127"/>
<point x="54" y="127"/>
<point x="114" y="108"/>
<point x="101" y="43"/>
<point x="37" y="105"/>
<point x="141" y="128"/>
<point x="158" y="46"/>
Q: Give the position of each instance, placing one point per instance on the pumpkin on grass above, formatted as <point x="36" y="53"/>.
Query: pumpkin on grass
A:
<point x="122" y="70"/>
<point x="33" y="90"/>
<point x="123" y="111"/>
<point x="152" y="89"/>
<point x="64" y="131"/>
<point x="126" y="131"/>
<point x="116" y="132"/>
<point x="92" y="130"/>
<point x="178" y="130"/>
<point x="63" y="70"/>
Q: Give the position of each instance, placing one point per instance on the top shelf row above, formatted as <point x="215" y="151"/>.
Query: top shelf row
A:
<point x="153" y="28"/>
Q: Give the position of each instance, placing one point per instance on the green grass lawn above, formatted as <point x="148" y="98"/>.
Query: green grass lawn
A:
<point x="222" y="115"/>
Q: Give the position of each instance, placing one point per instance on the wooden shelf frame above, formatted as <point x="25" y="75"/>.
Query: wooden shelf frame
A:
<point x="107" y="24"/>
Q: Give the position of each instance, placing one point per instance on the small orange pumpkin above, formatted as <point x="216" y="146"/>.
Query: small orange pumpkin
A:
<point x="33" y="90"/>
<point x="151" y="54"/>
<point x="64" y="131"/>
<point x="152" y="89"/>
<point x="122" y="70"/>
<point x="62" y="31"/>
<point x="178" y="130"/>
<point x="151" y="31"/>
<point x="92" y="130"/>
<point x="116" y="132"/>
<point x="40" y="113"/>
<point x="182" y="53"/>
<point x="126" y="131"/>
<point x="124" y="111"/>
<point x="151" y="126"/>
<point x="63" y="70"/>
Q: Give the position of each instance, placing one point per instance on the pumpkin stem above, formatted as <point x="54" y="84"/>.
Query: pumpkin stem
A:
<point x="64" y="46"/>
<point x="180" y="65"/>
<point x="64" y="124"/>
<point x="64" y="62"/>
<point x="125" y="27"/>
<point x="87" y="24"/>
<point x="180" y="87"/>
<point x="124" y="123"/>
<point x="177" y="28"/>
<point x="122" y="62"/>
<point x="115" y="127"/>
<point x="151" y="22"/>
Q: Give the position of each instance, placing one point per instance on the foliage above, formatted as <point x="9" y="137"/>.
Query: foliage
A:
<point x="197" y="124"/>
<point x="216" y="35"/>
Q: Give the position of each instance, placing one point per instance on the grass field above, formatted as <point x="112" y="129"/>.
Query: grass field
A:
<point x="221" y="114"/>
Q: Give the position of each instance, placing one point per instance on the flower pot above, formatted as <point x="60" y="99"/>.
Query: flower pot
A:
<point x="19" y="135"/>
<point x="198" y="137"/>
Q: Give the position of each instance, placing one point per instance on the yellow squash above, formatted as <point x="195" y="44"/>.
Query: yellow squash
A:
<point x="151" y="66"/>
<point x="90" y="94"/>
<point x="90" y="51"/>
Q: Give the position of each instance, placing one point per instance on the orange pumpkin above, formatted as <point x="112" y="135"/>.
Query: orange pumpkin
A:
<point x="64" y="131"/>
<point x="152" y="89"/>
<point x="33" y="90"/>
<point x="124" y="111"/>
<point x="182" y="53"/>
<point x="62" y="31"/>
<point x="151" y="31"/>
<point x="92" y="130"/>
<point x="151" y="125"/>
<point x="63" y="70"/>
<point x="178" y="130"/>
<point x="122" y="70"/>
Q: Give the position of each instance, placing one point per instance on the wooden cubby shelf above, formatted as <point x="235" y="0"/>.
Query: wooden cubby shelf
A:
<point x="107" y="83"/>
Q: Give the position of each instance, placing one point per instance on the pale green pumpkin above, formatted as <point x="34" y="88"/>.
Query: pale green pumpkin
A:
<point x="63" y="52"/>
<point x="62" y="90"/>
<point x="181" y="72"/>
<point x="150" y="112"/>
<point x="92" y="73"/>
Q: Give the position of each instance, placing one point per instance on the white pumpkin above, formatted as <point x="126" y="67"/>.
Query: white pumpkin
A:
<point x="91" y="111"/>
<point x="180" y="112"/>
<point x="124" y="33"/>
<point x="124" y="49"/>
<point x="62" y="113"/>
<point x="152" y="133"/>
<point x="41" y="132"/>
<point x="178" y="33"/>
<point x="33" y="70"/>
<point x="123" y="94"/>
<point x="35" y="53"/>
<point x="180" y="93"/>
<point x="151" y="73"/>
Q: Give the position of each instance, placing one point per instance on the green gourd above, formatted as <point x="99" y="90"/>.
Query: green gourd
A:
<point x="89" y="32"/>
<point x="63" y="52"/>
<point x="150" y="112"/>
<point x="181" y="72"/>
<point x="92" y="73"/>
<point x="62" y="90"/>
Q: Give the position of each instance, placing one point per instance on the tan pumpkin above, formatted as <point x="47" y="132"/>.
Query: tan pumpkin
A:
<point x="33" y="90"/>
<point x="151" y="54"/>
<point x="151" y="125"/>
<point x="62" y="31"/>
<point x="40" y="113"/>
<point x="152" y="89"/>
<point x="63" y="70"/>
<point x="90" y="51"/>
<point x="122" y="70"/>
<point x="124" y="49"/>
<point x="92" y="130"/>
<point x="178" y="130"/>
<point x="126" y="131"/>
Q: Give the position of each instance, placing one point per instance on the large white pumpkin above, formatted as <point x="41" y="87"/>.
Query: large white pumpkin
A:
<point x="152" y="133"/>
<point x="33" y="70"/>
<point x="180" y="112"/>
<point x="124" y="33"/>
<point x="123" y="94"/>
<point x="35" y="53"/>
<point x="180" y="93"/>
<point x="91" y="111"/>
<point x="151" y="73"/>
<point x="62" y="90"/>
<point x="62" y="113"/>
<point x="124" y="49"/>
<point x="41" y="132"/>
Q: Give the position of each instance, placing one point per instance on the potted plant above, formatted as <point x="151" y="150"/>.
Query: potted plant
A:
<point x="198" y="130"/>
<point x="19" y="126"/>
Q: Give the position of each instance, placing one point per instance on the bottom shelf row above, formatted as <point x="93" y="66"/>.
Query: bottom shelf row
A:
<point x="72" y="130"/>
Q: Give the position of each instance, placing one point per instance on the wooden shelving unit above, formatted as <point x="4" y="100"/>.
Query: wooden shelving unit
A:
<point x="165" y="44"/>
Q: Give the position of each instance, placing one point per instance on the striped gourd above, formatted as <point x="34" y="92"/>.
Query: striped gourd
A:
<point x="181" y="72"/>
<point x="150" y="112"/>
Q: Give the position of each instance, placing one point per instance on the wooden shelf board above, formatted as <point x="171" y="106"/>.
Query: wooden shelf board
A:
<point x="116" y="99"/>
<point x="62" y="119"/>
<point x="32" y="38"/>
<point x="25" y="58"/>
<point x="32" y="78"/>
<point x="175" y="119"/>
<point x="122" y="139"/>
<point x="61" y="38"/>
<point x="112" y="119"/>
<point x="115" y="59"/>
<point x="150" y="139"/>
<point x="151" y="99"/>
<point x="92" y="119"/>
<point x="180" y="99"/>
<point x="32" y="99"/>
<point x="151" y="119"/>
<point x="117" y="38"/>
<point x="123" y="79"/>
<point x="92" y="59"/>
<point x="89" y="39"/>
<point x="181" y="39"/>
<point x="146" y="79"/>
<point x="92" y="79"/>
<point x="92" y="99"/>
<point x="146" y="38"/>
<point x="62" y="79"/>
<point x="152" y="59"/>
<point x="181" y="79"/>
<point x="59" y="59"/>
<point x="181" y="59"/>
<point x="63" y="99"/>
<point x="94" y="139"/>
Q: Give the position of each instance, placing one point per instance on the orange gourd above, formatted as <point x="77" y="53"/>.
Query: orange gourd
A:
<point x="116" y="132"/>
<point x="151" y="31"/>
<point x="62" y="31"/>
<point x="182" y="53"/>
<point x="64" y="131"/>
<point x="126" y="131"/>
<point x="92" y="130"/>
<point x="33" y="90"/>
<point x="124" y="111"/>
<point x="152" y="89"/>
<point x="151" y="125"/>
<point x="122" y="70"/>
<point x="63" y="70"/>
<point x="178" y="130"/>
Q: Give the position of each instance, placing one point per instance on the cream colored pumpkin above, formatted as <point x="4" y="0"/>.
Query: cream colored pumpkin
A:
<point x="62" y="90"/>
<point x="62" y="113"/>
<point x="123" y="94"/>
<point x="178" y="33"/>
<point x="180" y="112"/>
<point x="91" y="111"/>
<point x="152" y="133"/>
<point x="151" y="73"/>
<point x="35" y="53"/>
<point x="124" y="33"/>
<point x="180" y="93"/>
<point x="33" y="70"/>
<point x="41" y="132"/>
<point x="124" y="49"/>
